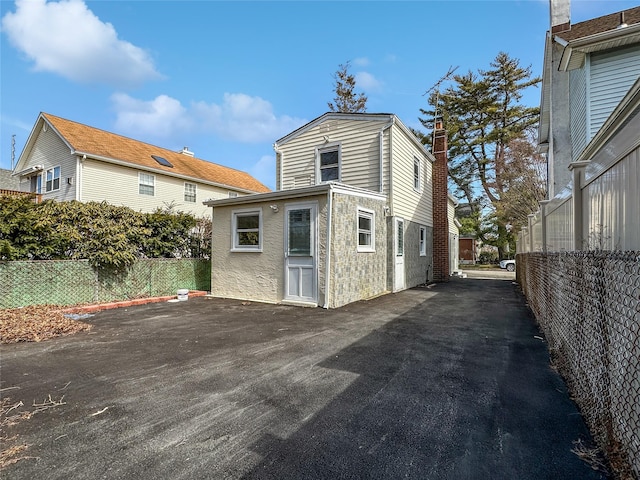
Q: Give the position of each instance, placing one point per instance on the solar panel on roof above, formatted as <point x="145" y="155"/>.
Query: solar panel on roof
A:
<point x="162" y="161"/>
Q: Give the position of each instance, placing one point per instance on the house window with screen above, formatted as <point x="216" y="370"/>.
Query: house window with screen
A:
<point x="190" y="192"/>
<point x="416" y="174"/>
<point x="366" y="230"/>
<point x="52" y="180"/>
<point x="146" y="184"/>
<point x="329" y="164"/>
<point x="423" y="241"/>
<point x="247" y="230"/>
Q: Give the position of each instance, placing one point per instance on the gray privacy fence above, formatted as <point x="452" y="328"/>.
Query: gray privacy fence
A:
<point x="588" y="306"/>
<point x="70" y="282"/>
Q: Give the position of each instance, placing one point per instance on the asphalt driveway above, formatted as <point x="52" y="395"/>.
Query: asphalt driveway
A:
<point x="448" y="382"/>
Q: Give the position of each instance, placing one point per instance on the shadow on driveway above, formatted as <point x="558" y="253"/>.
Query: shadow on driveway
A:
<point x="449" y="382"/>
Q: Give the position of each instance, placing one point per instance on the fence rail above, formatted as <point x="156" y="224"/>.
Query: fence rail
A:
<point x="588" y="306"/>
<point x="70" y="282"/>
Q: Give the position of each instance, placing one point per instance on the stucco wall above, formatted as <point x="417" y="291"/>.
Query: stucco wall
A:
<point x="356" y="275"/>
<point x="258" y="276"/>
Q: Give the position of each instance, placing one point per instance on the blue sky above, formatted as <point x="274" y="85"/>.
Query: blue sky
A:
<point x="227" y="79"/>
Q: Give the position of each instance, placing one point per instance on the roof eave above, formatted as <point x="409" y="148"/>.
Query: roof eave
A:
<point x="137" y="166"/>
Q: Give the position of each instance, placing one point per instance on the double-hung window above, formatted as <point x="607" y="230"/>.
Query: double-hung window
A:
<point x="329" y="164"/>
<point x="146" y="184"/>
<point x="52" y="179"/>
<point x="423" y="241"/>
<point x="416" y="174"/>
<point x="247" y="230"/>
<point x="366" y="230"/>
<point x="190" y="192"/>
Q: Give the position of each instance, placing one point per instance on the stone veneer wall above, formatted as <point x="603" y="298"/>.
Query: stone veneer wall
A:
<point x="417" y="270"/>
<point x="356" y="275"/>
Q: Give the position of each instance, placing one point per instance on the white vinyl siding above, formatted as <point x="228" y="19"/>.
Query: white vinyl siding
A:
<point x="121" y="188"/>
<point x="50" y="152"/>
<point x="360" y="153"/>
<point x="612" y="75"/>
<point x="407" y="203"/>
<point x="578" y="105"/>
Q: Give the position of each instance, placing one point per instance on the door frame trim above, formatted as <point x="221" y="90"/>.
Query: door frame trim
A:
<point x="313" y="205"/>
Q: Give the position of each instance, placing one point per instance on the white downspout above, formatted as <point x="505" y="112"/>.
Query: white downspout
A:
<point x="391" y="171"/>
<point x="279" y="185"/>
<point x="79" y="174"/>
<point x="327" y="275"/>
<point x="381" y="141"/>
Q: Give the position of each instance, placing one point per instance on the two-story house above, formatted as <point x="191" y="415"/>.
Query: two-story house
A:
<point x="352" y="217"/>
<point x="66" y="160"/>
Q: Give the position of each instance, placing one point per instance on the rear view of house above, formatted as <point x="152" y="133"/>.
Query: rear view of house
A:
<point x="352" y="217"/>
<point x="66" y="160"/>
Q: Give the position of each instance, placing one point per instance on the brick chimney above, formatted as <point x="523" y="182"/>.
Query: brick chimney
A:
<point x="560" y="11"/>
<point x="440" y="204"/>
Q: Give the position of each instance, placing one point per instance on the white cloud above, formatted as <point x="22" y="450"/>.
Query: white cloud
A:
<point x="368" y="82"/>
<point x="239" y="118"/>
<point x="160" y="117"/>
<point x="264" y="170"/>
<point x="361" y="62"/>
<point x="66" y="38"/>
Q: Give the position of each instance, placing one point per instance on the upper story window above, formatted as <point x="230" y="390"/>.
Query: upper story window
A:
<point x="233" y="194"/>
<point x="52" y="179"/>
<point x="190" y="192"/>
<point x="366" y="230"/>
<point x="146" y="184"/>
<point x="416" y="174"/>
<point x="247" y="230"/>
<point x="329" y="163"/>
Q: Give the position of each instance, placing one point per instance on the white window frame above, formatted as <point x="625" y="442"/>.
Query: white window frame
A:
<point x="53" y="172"/>
<point x="328" y="148"/>
<point x="143" y="180"/>
<point x="235" y="244"/>
<point x="422" y="240"/>
<point x="371" y="215"/>
<point x="233" y="194"/>
<point x="417" y="179"/>
<point x="190" y="193"/>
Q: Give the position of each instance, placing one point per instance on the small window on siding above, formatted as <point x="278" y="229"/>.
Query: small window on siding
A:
<point x="416" y="174"/>
<point x="190" y="192"/>
<point x="146" y="184"/>
<point x="233" y="194"/>
<point x="52" y="179"/>
<point x="329" y="164"/>
<point x="247" y="230"/>
<point x="366" y="230"/>
<point x="423" y="241"/>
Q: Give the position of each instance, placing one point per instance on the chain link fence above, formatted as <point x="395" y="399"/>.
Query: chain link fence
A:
<point x="588" y="306"/>
<point x="71" y="282"/>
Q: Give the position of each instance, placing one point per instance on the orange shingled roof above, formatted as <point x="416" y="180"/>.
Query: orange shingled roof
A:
<point x="93" y="141"/>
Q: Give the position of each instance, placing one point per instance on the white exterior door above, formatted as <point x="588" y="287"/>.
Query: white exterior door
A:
<point x="300" y="253"/>
<point x="398" y="282"/>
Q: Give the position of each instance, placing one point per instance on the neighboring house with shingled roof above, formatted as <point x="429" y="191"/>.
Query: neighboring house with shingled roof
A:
<point x="589" y="67"/>
<point x="65" y="160"/>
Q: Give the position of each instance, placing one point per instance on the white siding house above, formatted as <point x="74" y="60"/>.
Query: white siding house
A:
<point x="65" y="160"/>
<point x="355" y="190"/>
<point x="588" y="68"/>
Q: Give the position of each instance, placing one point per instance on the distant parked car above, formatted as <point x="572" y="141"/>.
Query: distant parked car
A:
<point x="510" y="265"/>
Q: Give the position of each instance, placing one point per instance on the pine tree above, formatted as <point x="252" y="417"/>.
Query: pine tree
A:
<point x="483" y="117"/>
<point x="346" y="101"/>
